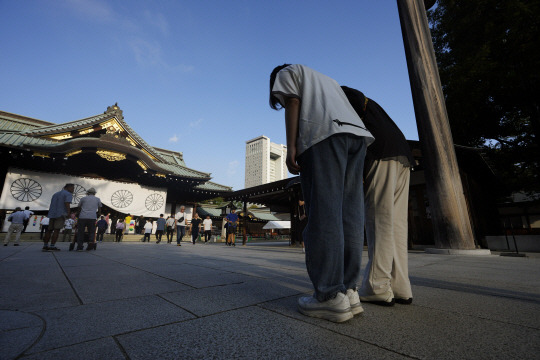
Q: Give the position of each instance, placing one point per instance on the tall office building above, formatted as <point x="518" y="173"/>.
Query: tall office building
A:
<point x="265" y="161"/>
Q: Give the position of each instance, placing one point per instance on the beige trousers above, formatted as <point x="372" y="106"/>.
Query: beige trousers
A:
<point x="386" y="203"/>
<point x="18" y="228"/>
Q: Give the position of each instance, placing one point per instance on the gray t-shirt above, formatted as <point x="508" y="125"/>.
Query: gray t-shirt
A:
<point x="89" y="206"/>
<point x="160" y="223"/>
<point x="58" y="204"/>
<point x="324" y="111"/>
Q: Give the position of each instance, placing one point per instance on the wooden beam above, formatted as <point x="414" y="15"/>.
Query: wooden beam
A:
<point x="451" y="223"/>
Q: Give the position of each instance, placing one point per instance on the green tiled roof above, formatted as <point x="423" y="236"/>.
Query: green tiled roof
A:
<point x="173" y="157"/>
<point x="69" y="126"/>
<point x="212" y="186"/>
<point x="205" y="211"/>
<point x="264" y="216"/>
<point x="14" y="122"/>
<point x="17" y="140"/>
<point x="183" y="171"/>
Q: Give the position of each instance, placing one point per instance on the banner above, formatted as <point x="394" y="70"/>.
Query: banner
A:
<point x="35" y="189"/>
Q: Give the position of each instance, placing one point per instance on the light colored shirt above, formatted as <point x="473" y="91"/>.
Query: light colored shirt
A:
<point x="148" y="228"/>
<point x="89" y="206"/>
<point x="58" y="204"/>
<point x="44" y="221"/>
<point x="207" y="224"/>
<point x="68" y="224"/>
<point x="181" y="215"/>
<point x="170" y="221"/>
<point x="17" y="217"/>
<point x="324" y="110"/>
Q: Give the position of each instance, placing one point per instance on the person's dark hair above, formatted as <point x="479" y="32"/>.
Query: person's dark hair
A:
<point x="357" y="100"/>
<point x="274" y="102"/>
<point x="27" y="208"/>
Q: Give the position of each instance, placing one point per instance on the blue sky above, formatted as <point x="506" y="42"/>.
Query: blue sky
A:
<point x="192" y="76"/>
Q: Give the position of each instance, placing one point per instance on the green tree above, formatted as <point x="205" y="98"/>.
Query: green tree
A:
<point x="489" y="63"/>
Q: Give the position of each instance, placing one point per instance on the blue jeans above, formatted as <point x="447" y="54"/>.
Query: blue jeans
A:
<point x="331" y="179"/>
<point x="180" y="232"/>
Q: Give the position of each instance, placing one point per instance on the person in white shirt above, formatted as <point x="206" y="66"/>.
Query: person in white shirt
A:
<point x="43" y="226"/>
<point x="170" y="228"/>
<point x="326" y="145"/>
<point x="147" y="230"/>
<point x="68" y="228"/>
<point x="207" y="223"/>
<point x="180" y="225"/>
<point x="89" y="206"/>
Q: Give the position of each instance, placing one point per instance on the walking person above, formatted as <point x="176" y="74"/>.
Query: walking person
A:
<point x="119" y="230"/>
<point x="326" y="145"/>
<point x="68" y="227"/>
<point x="89" y="207"/>
<point x="386" y="180"/>
<point x="28" y="214"/>
<point x="170" y="228"/>
<point x="17" y="225"/>
<point x="232" y="220"/>
<point x="114" y="221"/>
<point x="160" y="228"/>
<point x="195" y="226"/>
<point x="180" y="225"/>
<point x="207" y="224"/>
<point x="102" y="226"/>
<point x="43" y="226"/>
<point x="59" y="209"/>
<point x="127" y="222"/>
<point x="147" y="230"/>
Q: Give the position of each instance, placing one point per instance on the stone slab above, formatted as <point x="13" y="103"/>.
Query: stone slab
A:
<point x="203" y="302"/>
<point x="100" y="349"/>
<point x="18" y="332"/>
<point x="255" y="334"/>
<point x="68" y="326"/>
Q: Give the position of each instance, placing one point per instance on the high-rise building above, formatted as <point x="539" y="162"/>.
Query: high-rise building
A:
<point x="265" y="161"/>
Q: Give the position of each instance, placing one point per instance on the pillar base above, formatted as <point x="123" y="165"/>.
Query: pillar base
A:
<point x="475" y="252"/>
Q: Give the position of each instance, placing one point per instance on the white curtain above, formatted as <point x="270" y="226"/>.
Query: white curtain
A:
<point x="35" y="189"/>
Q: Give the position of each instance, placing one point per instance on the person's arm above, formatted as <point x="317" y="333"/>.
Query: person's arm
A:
<point x="292" y="114"/>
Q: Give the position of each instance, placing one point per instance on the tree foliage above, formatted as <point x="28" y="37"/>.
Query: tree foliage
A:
<point x="489" y="63"/>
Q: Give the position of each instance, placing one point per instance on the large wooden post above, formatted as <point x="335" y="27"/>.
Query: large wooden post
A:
<point x="451" y="224"/>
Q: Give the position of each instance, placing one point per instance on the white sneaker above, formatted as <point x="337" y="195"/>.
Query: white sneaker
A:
<point x="385" y="299"/>
<point x="354" y="300"/>
<point x="336" y="310"/>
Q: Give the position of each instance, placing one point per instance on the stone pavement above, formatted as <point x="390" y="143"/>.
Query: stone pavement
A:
<point x="135" y="300"/>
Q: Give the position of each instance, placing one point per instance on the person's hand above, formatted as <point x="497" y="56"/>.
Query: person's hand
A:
<point x="292" y="165"/>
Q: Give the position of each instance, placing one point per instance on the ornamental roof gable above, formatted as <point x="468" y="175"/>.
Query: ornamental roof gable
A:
<point x="112" y="120"/>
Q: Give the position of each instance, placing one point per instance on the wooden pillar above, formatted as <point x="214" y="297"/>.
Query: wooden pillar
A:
<point x="246" y="218"/>
<point x="451" y="224"/>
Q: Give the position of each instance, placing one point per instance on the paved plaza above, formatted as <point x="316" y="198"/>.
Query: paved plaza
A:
<point x="134" y="300"/>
